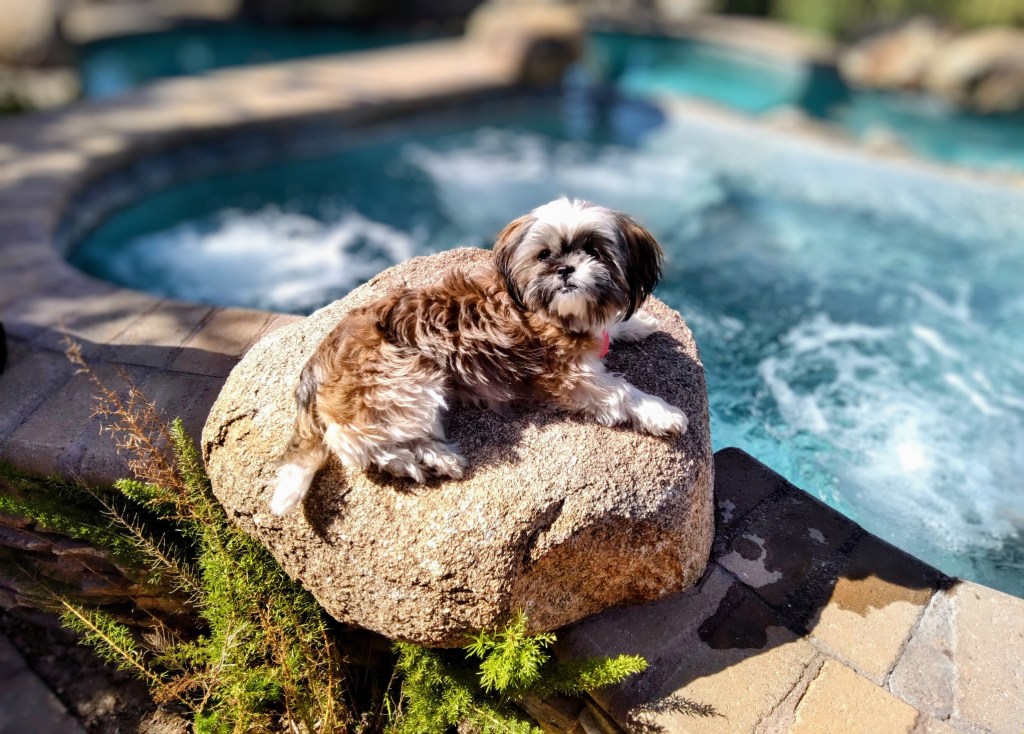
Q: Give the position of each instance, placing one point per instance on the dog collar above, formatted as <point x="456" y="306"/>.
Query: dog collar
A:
<point x="605" y="344"/>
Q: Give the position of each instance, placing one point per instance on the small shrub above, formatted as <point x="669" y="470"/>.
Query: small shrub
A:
<point x="443" y="688"/>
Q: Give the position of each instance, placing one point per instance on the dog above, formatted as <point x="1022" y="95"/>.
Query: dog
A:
<point x="568" y="278"/>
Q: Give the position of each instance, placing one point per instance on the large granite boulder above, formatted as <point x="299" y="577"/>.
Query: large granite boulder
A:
<point x="557" y="516"/>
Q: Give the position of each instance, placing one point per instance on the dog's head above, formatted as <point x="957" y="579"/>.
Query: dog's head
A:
<point x="578" y="265"/>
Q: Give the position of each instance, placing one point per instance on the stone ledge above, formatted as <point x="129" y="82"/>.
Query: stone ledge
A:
<point x="870" y="639"/>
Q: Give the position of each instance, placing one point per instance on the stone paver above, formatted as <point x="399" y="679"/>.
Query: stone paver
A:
<point x="27" y="705"/>
<point x="62" y="293"/>
<point x="989" y="658"/>
<point x="788" y="551"/>
<point x="876" y="603"/>
<point x="94" y="458"/>
<point x="46" y="442"/>
<point x="17" y="284"/>
<point x="155" y="338"/>
<point x="965" y="663"/>
<point x="839" y="700"/>
<point x="93" y="322"/>
<point x="30" y="376"/>
<point x="221" y="340"/>
<point x="741" y="483"/>
<point x="719" y="659"/>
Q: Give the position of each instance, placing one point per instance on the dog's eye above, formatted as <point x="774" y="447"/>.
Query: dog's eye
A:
<point x="590" y="250"/>
<point x="544" y="255"/>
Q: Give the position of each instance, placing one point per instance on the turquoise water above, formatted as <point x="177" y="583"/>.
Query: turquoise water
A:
<point x="862" y="327"/>
<point x="758" y="84"/>
<point x="639" y="65"/>
<point x="645" y="65"/>
<point x="113" y="66"/>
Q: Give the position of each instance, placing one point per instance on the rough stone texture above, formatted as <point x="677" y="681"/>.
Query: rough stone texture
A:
<point x="983" y="70"/>
<point x="558" y="516"/>
<point x="839" y="700"/>
<point x="719" y="660"/>
<point x="29" y="550"/>
<point x="26" y="32"/>
<point x="542" y="36"/>
<point x="877" y="600"/>
<point x="894" y="59"/>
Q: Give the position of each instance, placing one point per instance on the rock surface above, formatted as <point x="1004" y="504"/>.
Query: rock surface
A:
<point x="982" y="70"/>
<point x="896" y="59"/>
<point x="557" y="516"/>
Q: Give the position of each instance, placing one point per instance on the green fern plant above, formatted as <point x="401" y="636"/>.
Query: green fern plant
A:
<point x="261" y="655"/>
<point x="480" y="684"/>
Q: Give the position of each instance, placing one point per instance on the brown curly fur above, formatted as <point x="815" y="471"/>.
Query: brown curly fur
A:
<point x="376" y="389"/>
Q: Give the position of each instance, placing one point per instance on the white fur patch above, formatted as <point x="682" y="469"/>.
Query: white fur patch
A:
<point x="653" y="415"/>
<point x="611" y="400"/>
<point x="570" y="217"/>
<point x="573" y="303"/>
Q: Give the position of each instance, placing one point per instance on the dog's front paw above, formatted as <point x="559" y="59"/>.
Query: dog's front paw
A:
<point x="640" y="326"/>
<point x="658" y="418"/>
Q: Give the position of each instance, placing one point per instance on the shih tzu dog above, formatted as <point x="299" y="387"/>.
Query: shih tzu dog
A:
<point x="567" y="278"/>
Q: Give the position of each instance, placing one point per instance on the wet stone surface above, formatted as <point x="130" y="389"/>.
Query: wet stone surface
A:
<point x="789" y="550"/>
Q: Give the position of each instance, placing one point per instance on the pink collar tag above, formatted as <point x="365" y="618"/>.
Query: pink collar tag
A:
<point x="605" y="344"/>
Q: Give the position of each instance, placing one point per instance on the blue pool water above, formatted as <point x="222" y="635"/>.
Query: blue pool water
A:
<point x="758" y="84"/>
<point x="862" y="327"/>
<point x="116" y="65"/>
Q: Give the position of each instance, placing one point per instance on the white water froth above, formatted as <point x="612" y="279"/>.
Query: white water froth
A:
<point x="501" y="174"/>
<point x="269" y="258"/>
<point x="919" y="458"/>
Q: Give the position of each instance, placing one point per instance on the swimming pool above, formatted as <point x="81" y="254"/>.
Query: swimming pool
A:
<point x="862" y="326"/>
<point x="643" y="65"/>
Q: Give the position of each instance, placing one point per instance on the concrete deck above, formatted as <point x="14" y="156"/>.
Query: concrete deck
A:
<point x="804" y="622"/>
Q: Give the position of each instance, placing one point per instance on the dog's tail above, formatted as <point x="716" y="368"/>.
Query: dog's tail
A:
<point x="306" y="452"/>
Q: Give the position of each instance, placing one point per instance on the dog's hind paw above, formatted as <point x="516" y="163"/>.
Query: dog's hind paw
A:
<point x="439" y="459"/>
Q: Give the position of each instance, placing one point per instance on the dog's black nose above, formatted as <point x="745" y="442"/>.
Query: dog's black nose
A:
<point x="566" y="270"/>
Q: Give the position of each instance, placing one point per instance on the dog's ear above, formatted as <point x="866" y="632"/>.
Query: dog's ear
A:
<point x="643" y="262"/>
<point x="504" y="253"/>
